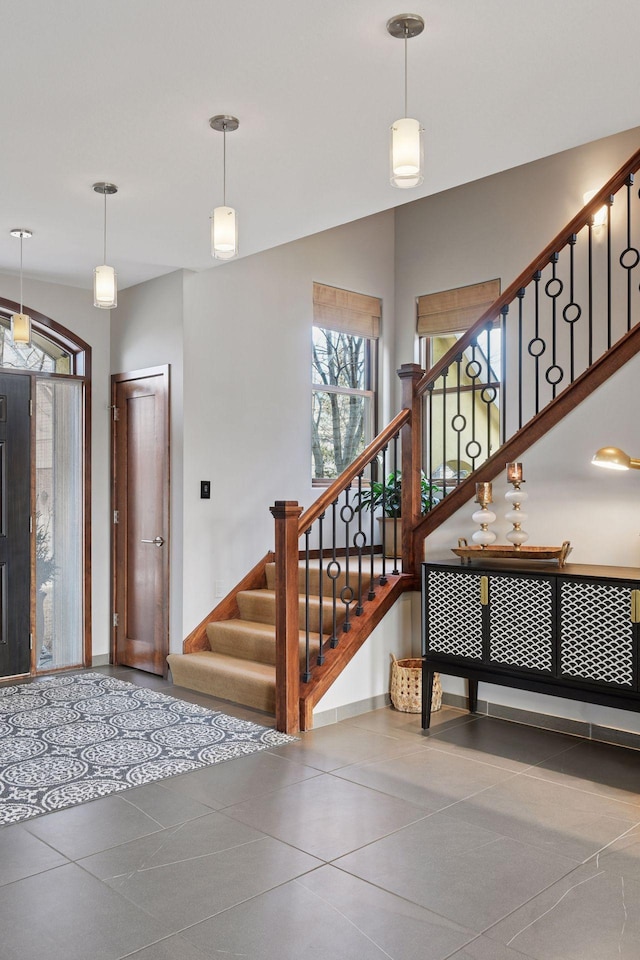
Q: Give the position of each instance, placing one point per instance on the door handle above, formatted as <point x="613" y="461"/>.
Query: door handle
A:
<point x="158" y="541"/>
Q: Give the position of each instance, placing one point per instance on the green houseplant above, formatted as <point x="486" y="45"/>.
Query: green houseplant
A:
<point x="389" y="492"/>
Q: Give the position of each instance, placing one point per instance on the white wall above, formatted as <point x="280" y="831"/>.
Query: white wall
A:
<point x="147" y="331"/>
<point x="74" y="309"/>
<point x="247" y="397"/>
<point x="495" y="227"/>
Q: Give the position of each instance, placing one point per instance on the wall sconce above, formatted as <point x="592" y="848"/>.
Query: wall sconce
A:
<point x="407" y="151"/>
<point x="21" y="322"/>
<point x="105" y="287"/>
<point x="614" y="459"/>
<point x="224" y="220"/>
<point x="599" y="218"/>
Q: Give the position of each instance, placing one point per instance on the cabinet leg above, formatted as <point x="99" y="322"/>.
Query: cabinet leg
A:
<point x="472" y="686"/>
<point x="427" y="694"/>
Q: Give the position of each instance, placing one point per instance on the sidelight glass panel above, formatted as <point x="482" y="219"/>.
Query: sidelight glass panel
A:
<point x="59" y="524"/>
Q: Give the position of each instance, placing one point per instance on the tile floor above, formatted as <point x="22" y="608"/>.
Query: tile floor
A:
<point x="484" y="840"/>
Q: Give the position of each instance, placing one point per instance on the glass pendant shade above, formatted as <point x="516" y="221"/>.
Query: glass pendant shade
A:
<point x="224" y="233"/>
<point x="406" y="153"/>
<point x="21" y="328"/>
<point x="105" y="289"/>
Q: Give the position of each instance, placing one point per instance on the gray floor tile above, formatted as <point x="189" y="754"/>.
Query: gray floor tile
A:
<point x="188" y="841"/>
<point x="173" y="948"/>
<point x="396" y="723"/>
<point x="236" y="780"/>
<point x="460" y="871"/>
<point x="164" y="806"/>
<point x="339" y="745"/>
<point x="501" y="742"/>
<point x="402" y="929"/>
<point x="484" y="949"/>
<point x="91" y="827"/>
<point x="589" y="915"/>
<point x="65" y="914"/>
<point x="22" y="855"/>
<point x="621" y="857"/>
<point x="427" y="777"/>
<point x="326" y="817"/>
<point x="598" y="768"/>
<point x="570" y="822"/>
<point x="309" y="925"/>
<point x="188" y="891"/>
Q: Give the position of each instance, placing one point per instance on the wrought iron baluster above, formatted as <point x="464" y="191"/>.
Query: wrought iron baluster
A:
<point x="306" y="676"/>
<point x="372" y="580"/>
<point x="430" y="438"/>
<point x="630" y="256"/>
<point x="321" y="656"/>
<point x="503" y="370"/>
<point x="346" y="594"/>
<point x="445" y="374"/>
<point x="571" y="312"/>
<point x="459" y="421"/>
<point x="521" y="295"/>
<point x="396" y="506"/>
<point x="609" y="314"/>
<point x="473" y="371"/>
<point x="553" y="288"/>
<point x="536" y="339"/>
<point x="590" y="291"/>
<point x="487" y="396"/>
<point x="383" y="578"/>
<point x="333" y="572"/>
<point x="359" y="540"/>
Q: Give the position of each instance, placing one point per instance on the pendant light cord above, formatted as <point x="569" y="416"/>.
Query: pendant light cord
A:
<point x="21" y="300"/>
<point x="406" y="109"/>
<point x="105" y="229"/>
<point x="224" y="164"/>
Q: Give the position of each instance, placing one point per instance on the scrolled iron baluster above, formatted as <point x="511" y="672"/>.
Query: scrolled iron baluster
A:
<point x="333" y="572"/>
<point x="383" y="577"/>
<point x="359" y="541"/>
<point x="630" y="256"/>
<point x="320" y="659"/>
<point x="473" y="370"/>
<point x="372" y="582"/>
<point x="346" y="593"/>
<point x="572" y="312"/>
<point x="503" y="369"/>
<point x="553" y="288"/>
<point x="396" y="509"/>
<point x="609" y="313"/>
<point x="306" y="676"/>
<point x="459" y="421"/>
<point x="521" y="296"/>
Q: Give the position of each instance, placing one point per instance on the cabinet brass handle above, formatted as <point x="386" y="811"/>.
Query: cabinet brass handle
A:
<point x="635" y="606"/>
<point x="484" y="591"/>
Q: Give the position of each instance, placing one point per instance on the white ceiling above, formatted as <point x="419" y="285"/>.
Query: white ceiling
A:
<point x="123" y="90"/>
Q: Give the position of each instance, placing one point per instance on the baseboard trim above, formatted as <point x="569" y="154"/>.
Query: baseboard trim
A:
<point x="575" y="728"/>
<point x="348" y="710"/>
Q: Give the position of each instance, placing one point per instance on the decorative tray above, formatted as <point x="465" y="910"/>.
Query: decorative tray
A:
<point x="507" y="552"/>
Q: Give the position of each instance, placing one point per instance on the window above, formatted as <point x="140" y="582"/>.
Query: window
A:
<point x="464" y="416"/>
<point x="344" y="360"/>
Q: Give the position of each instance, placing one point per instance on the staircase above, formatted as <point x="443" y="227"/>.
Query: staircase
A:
<point x="567" y="323"/>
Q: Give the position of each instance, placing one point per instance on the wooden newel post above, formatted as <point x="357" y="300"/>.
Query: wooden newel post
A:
<point x="286" y="514"/>
<point x="411" y="435"/>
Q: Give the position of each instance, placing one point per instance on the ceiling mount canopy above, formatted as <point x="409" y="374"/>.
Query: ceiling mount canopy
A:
<point x="407" y="151"/>
<point x="224" y="220"/>
<point x="105" y="287"/>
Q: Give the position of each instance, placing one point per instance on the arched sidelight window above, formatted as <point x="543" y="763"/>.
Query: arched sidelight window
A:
<point x="52" y="374"/>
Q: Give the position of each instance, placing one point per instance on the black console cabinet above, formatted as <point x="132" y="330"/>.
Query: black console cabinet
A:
<point x="569" y="632"/>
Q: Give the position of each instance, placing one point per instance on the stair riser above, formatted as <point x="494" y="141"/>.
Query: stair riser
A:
<point x="327" y="582"/>
<point x="262" y="609"/>
<point x="224" y="638"/>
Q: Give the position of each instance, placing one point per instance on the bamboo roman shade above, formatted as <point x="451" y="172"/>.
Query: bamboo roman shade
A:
<point x="452" y="311"/>
<point x="346" y="312"/>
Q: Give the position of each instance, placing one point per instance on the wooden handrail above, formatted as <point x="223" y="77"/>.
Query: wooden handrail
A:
<point x="344" y="480"/>
<point x="604" y="196"/>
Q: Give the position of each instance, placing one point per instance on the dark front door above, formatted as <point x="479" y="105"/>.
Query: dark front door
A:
<point x="141" y="502"/>
<point x="15" y="538"/>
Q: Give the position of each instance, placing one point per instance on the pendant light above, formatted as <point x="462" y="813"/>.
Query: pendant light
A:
<point x="105" y="288"/>
<point x="224" y="219"/>
<point x="406" y="133"/>
<point x="21" y="322"/>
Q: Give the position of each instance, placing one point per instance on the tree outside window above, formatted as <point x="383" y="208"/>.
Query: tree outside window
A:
<point x="343" y="399"/>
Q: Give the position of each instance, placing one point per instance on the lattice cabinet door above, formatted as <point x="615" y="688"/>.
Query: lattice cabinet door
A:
<point x="453" y="614"/>
<point x="597" y="633"/>
<point x="521" y="622"/>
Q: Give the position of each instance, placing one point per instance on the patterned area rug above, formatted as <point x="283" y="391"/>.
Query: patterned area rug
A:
<point x="71" y="738"/>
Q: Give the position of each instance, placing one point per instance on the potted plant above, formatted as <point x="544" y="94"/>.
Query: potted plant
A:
<point x="386" y="494"/>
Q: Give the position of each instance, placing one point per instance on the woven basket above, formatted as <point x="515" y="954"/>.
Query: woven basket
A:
<point x="406" y="686"/>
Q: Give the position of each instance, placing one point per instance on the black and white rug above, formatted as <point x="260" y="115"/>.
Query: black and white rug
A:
<point x="67" y="739"/>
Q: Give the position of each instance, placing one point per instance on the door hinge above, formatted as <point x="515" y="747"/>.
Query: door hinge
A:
<point x="115" y="620"/>
<point x="30" y="524"/>
<point x="30" y="408"/>
<point x="116" y="516"/>
<point x="116" y="412"/>
<point x="30" y="641"/>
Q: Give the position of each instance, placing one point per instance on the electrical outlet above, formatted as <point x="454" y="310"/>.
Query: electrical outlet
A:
<point x="205" y="489"/>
